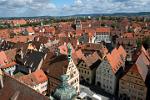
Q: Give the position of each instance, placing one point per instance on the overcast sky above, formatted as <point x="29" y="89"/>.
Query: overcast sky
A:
<point x="20" y="8"/>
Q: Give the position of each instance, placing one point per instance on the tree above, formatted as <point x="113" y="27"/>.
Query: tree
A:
<point x="146" y="42"/>
<point x="139" y="43"/>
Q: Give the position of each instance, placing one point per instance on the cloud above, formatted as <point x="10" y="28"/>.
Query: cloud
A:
<point x="47" y="7"/>
<point x="26" y="7"/>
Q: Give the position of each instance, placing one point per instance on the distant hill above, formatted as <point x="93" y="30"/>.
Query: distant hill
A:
<point x="81" y="15"/>
<point x="117" y="14"/>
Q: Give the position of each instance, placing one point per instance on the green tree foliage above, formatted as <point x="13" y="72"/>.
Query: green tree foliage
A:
<point x="139" y="43"/>
<point x="146" y="42"/>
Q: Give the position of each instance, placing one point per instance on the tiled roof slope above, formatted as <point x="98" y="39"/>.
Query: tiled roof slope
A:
<point x="13" y="88"/>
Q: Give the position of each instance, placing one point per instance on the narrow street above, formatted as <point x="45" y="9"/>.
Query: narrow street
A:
<point x="90" y="93"/>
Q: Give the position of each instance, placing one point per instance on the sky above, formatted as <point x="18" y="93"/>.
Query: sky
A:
<point x="28" y="8"/>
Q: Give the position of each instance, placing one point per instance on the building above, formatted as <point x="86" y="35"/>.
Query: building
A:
<point x="78" y="24"/>
<point x="90" y="48"/>
<point x="28" y="31"/>
<point x="30" y="61"/>
<point x="3" y="59"/>
<point x="129" y="42"/>
<point x="103" y="35"/>
<point x="36" y="80"/>
<point x="106" y="72"/>
<point x="18" y="22"/>
<point x="12" y="89"/>
<point x="55" y="66"/>
<point x="87" y="66"/>
<point x="132" y="85"/>
<point x="7" y="63"/>
<point x="9" y="68"/>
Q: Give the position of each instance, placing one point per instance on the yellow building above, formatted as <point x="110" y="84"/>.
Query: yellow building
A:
<point x="132" y="84"/>
<point x="87" y="67"/>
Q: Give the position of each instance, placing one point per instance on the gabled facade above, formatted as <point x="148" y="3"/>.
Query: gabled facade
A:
<point x="103" y="34"/>
<point x="36" y="80"/>
<point x="12" y="89"/>
<point x="9" y="68"/>
<point x="132" y="85"/>
<point x="105" y="77"/>
<point x="106" y="72"/>
<point x="87" y="67"/>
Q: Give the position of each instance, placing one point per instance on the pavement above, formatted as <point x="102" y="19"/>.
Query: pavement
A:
<point x="90" y="93"/>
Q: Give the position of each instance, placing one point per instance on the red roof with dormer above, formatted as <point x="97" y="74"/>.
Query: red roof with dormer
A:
<point x="116" y="58"/>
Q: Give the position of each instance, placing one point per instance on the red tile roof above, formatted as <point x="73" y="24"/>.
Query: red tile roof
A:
<point x="141" y="65"/>
<point x="11" y="54"/>
<point x="3" y="58"/>
<point x="79" y="32"/>
<point x="64" y="50"/>
<point x="30" y="29"/>
<point x="17" y="30"/>
<point x="90" y="31"/>
<point x="9" y="65"/>
<point x="13" y="86"/>
<point x="21" y="38"/>
<point x="116" y="58"/>
<point x="91" y="59"/>
<point x="103" y="30"/>
<point x="34" y="78"/>
<point x="21" y="22"/>
<point x="128" y="35"/>
<point x="4" y="33"/>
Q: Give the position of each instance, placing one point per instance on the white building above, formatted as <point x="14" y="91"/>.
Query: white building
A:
<point x="103" y="34"/>
<point x="36" y="80"/>
<point x="9" y="68"/>
<point x="105" y="73"/>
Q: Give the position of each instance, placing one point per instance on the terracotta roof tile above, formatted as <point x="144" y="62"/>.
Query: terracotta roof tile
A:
<point x="128" y="35"/>
<point x="3" y="58"/>
<point x="21" y="38"/>
<point x="55" y="65"/>
<point x="103" y="30"/>
<point x="63" y="49"/>
<point x="8" y="65"/>
<point x="142" y="65"/>
<point x="11" y="54"/>
<point x="116" y="58"/>
<point x="91" y="59"/>
<point x="30" y="29"/>
<point x="11" y="86"/>
<point x="21" y="22"/>
<point x="34" y="78"/>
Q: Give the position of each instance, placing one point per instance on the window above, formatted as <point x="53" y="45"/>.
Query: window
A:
<point x="104" y="85"/>
<point x="88" y="72"/>
<point x="98" y="83"/>
<point x="71" y="75"/>
<point x="82" y="64"/>
<point x="108" y="71"/>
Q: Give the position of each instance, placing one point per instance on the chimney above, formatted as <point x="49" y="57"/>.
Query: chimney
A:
<point x="1" y="79"/>
<point x="21" y="53"/>
<point x="30" y="71"/>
